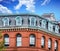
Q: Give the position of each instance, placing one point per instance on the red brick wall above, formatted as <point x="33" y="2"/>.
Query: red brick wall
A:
<point x="25" y="40"/>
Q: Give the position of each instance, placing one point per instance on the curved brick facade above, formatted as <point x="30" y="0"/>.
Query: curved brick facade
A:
<point x="25" y="40"/>
<point x="25" y="33"/>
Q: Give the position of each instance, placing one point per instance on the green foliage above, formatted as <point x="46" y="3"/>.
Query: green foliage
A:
<point x="0" y="35"/>
<point x="1" y="42"/>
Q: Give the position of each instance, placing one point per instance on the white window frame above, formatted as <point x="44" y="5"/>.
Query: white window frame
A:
<point x="55" y="45"/>
<point x="42" y="41"/>
<point x="18" y="21"/>
<point x="6" y="40"/>
<point x="34" y="24"/>
<point x="50" y="26"/>
<point x="19" y="41"/>
<point x="4" y="21"/>
<point x="49" y="43"/>
<point x="32" y="40"/>
<point x="43" y="23"/>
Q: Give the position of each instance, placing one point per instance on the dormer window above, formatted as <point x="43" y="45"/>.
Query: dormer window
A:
<point x="32" y="21"/>
<point x="43" y="23"/>
<point x="57" y="29"/>
<point x="5" y="21"/>
<point x="18" y="21"/>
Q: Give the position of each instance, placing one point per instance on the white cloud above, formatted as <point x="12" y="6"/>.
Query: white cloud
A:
<point x="45" y="2"/>
<point x="28" y="3"/>
<point x="4" y="10"/>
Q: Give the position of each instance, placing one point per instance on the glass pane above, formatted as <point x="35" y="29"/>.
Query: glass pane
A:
<point x="49" y="43"/>
<point x="19" y="44"/>
<point x="55" y="45"/>
<point x="32" y="21"/>
<point x="6" y="40"/>
<point x="32" y="40"/>
<point x="18" y="20"/>
<point x="18" y="38"/>
<point x="42" y="41"/>
<point x="6" y="22"/>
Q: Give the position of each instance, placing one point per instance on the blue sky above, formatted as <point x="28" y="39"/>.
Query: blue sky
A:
<point x="30" y="6"/>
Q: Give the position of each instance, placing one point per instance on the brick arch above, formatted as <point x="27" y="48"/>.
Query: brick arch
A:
<point x="18" y="34"/>
<point x="44" y="37"/>
<point x="6" y="35"/>
<point x="32" y="34"/>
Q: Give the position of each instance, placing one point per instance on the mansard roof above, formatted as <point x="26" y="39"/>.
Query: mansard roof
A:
<point x="28" y="14"/>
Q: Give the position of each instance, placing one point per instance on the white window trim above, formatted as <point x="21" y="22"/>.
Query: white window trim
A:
<point x="6" y="40"/>
<point x="42" y="41"/>
<point x="49" y="43"/>
<point x="34" y="21"/>
<point x="5" y="21"/>
<point x="55" y="45"/>
<point x="43" y="24"/>
<point x="19" y="40"/>
<point x="32" y="40"/>
<point x="17" y="24"/>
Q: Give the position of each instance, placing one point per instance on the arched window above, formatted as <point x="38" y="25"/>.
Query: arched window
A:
<point x="18" y="40"/>
<point x="5" y="21"/>
<point x="42" y="41"/>
<point x="56" y="46"/>
<point x="18" y="21"/>
<point x="6" y="40"/>
<point x="32" y="40"/>
<point x="49" y="43"/>
<point x="32" y="21"/>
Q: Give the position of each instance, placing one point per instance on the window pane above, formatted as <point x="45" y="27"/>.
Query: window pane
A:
<point x="42" y="41"/>
<point x="19" y="40"/>
<point x="32" y="40"/>
<point x="19" y="44"/>
<point x="32" y="21"/>
<point x="49" y="43"/>
<point x="5" y="21"/>
<point x="55" y="45"/>
<point x="18" y="20"/>
<point x="6" y="39"/>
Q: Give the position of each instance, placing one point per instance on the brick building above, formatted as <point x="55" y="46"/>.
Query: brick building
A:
<point x="30" y="32"/>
